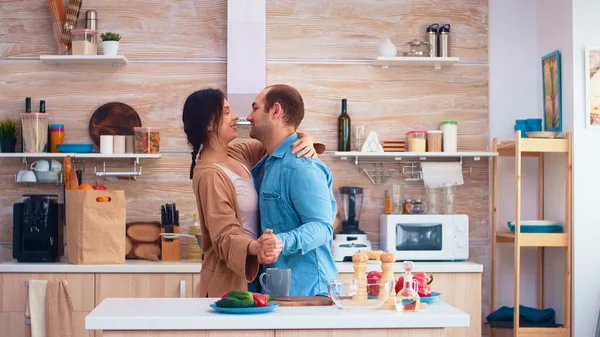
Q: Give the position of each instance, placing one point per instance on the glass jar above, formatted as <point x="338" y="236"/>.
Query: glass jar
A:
<point x="146" y="139"/>
<point x="434" y="141"/>
<point x="450" y="135"/>
<point x="416" y="140"/>
<point x="83" y="42"/>
<point x="418" y="207"/>
<point x="408" y="206"/>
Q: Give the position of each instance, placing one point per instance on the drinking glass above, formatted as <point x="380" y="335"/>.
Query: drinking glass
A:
<point x="359" y="137"/>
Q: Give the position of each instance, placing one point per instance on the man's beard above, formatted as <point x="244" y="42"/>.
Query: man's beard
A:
<point x="261" y="133"/>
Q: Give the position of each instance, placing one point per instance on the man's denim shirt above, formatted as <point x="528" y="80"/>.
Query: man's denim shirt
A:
<point x="296" y="201"/>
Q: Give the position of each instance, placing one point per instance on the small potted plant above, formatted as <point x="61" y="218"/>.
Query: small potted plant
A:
<point x="110" y="43"/>
<point x="8" y="135"/>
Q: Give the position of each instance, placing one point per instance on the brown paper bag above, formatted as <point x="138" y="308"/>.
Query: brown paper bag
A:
<point x="95" y="229"/>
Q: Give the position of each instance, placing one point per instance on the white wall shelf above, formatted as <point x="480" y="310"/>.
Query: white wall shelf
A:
<point x="81" y="155"/>
<point x="410" y="61"/>
<point x="84" y="59"/>
<point x="407" y="156"/>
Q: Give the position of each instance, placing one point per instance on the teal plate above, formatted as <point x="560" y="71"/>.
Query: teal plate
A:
<point x="244" y="311"/>
<point x="434" y="296"/>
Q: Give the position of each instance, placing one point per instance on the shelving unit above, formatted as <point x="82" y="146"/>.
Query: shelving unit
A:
<point x="84" y="59"/>
<point x="411" y="61"/>
<point x="408" y="161"/>
<point x="533" y="147"/>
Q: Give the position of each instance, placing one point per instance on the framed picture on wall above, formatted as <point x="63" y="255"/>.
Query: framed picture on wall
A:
<point x="592" y="87"/>
<point x="551" y="87"/>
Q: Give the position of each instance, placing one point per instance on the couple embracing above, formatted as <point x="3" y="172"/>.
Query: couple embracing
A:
<point x="262" y="203"/>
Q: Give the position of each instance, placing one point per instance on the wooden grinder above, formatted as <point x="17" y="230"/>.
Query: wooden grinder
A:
<point x="387" y="268"/>
<point x="360" y="275"/>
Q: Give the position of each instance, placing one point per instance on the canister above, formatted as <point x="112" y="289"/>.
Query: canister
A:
<point x="434" y="140"/>
<point x="57" y="136"/>
<point x="416" y="140"/>
<point x="450" y="135"/>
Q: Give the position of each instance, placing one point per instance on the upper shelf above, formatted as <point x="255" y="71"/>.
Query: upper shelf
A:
<point x="398" y="156"/>
<point x="533" y="146"/>
<point x="410" y="61"/>
<point x="81" y="155"/>
<point x="83" y="59"/>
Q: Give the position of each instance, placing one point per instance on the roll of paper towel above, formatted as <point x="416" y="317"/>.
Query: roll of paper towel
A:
<point x="442" y="174"/>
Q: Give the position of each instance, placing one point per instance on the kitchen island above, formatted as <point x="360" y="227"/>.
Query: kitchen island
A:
<point x="191" y="317"/>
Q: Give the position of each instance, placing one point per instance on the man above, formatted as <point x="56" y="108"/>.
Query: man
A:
<point x="295" y="195"/>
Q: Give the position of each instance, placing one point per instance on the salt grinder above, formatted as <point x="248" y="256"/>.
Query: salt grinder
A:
<point x="444" y="37"/>
<point x="432" y="38"/>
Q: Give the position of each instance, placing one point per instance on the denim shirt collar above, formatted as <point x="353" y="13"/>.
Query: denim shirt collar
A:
<point x="285" y="145"/>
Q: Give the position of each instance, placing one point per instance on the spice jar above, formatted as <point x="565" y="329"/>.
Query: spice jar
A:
<point x="57" y="136"/>
<point x="415" y="141"/>
<point x="408" y="206"/>
<point x="388" y="203"/>
<point x="434" y="141"/>
<point x="418" y="207"/>
<point x="450" y="131"/>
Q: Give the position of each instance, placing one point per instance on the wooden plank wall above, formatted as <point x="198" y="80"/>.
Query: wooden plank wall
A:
<point x="177" y="47"/>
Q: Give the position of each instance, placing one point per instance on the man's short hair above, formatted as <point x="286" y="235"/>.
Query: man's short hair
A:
<point x="290" y="100"/>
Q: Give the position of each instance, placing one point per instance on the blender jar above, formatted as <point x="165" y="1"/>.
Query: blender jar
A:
<point x="351" y="203"/>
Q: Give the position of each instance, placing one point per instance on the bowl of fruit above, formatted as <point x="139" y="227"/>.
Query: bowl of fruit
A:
<point x="359" y="294"/>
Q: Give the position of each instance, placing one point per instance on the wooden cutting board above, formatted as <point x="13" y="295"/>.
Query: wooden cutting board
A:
<point x="302" y="301"/>
<point x="113" y="118"/>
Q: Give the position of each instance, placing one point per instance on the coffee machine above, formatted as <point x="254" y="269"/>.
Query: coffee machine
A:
<point x="350" y="239"/>
<point x="37" y="228"/>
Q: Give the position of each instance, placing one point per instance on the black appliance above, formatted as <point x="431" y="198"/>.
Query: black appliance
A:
<point x="37" y="228"/>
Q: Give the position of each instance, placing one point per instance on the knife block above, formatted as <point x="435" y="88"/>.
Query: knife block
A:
<point x="171" y="248"/>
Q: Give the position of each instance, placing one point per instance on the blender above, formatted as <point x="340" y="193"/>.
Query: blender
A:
<point x="350" y="239"/>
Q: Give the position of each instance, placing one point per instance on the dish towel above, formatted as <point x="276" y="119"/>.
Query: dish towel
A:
<point x="528" y="315"/>
<point x="59" y="310"/>
<point x="35" y="308"/>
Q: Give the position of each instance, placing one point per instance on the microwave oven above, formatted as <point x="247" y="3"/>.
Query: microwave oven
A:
<point x="425" y="237"/>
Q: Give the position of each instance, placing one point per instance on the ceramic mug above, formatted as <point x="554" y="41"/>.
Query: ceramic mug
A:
<point x="55" y="166"/>
<point x="26" y="176"/>
<point x="276" y="281"/>
<point x="41" y="165"/>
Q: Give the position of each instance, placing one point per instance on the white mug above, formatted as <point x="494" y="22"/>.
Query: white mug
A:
<point x="40" y="166"/>
<point x="55" y="166"/>
<point x="106" y="144"/>
<point x="26" y="176"/>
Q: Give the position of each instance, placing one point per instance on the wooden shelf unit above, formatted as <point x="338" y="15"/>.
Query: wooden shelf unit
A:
<point x="533" y="147"/>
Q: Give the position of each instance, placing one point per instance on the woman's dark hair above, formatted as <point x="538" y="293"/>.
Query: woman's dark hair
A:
<point x="200" y="108"/>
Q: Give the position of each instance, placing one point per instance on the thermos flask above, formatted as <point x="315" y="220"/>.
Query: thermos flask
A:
<point x="432" y="38"/>
<point x="444" y="37"/>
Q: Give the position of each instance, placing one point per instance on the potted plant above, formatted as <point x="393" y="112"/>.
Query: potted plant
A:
<point x="8" y="135"/>
<point x="110" y="43"/>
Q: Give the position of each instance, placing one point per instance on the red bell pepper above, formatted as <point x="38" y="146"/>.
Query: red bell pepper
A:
<point x="423" y="282"/>
<point x="373" y="278"/>
<point x="262" y="300"/>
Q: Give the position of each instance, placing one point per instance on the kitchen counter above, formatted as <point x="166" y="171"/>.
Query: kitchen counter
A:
<point x="189" y="266"/>
<point x="138" y="316"/>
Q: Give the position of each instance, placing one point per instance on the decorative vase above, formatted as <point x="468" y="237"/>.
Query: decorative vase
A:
<point x="111" y="48"/>
<point x="7" y="144"/>
<point x="387" y="49"/>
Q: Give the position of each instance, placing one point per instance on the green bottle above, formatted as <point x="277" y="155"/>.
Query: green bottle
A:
<point x="344" y="128"/>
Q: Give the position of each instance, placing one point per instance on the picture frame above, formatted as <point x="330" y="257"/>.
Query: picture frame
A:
<point x="552" y="91"/>
<point x="592" y="87"/>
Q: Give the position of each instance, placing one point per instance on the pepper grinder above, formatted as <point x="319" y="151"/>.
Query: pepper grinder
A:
<point x="387" y="268"/>
<point x="360" y="276"/>
<point x="444" y="38"/>
<point x="432" y="38"/>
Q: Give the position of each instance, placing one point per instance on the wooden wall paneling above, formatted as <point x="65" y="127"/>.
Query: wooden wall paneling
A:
<point x="354" y="29"/>
<point x="149" y="28"/>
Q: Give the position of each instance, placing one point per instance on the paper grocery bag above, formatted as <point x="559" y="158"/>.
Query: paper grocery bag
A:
<point x="95" y="222"/>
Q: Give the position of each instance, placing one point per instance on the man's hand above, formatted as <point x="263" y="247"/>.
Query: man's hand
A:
<point x="270" y="247"/>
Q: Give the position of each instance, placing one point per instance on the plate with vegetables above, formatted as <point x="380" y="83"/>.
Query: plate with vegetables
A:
<point x="244" y="302"/>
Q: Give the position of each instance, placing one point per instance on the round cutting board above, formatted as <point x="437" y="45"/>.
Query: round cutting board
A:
<point x="114" y="118"/>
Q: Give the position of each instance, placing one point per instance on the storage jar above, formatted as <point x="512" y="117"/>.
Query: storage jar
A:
<point x="57" y="136"/>
<point x="416" y="140"/>
<point x="84" y="42"/>
<point x="450" y="135"/>
<point x="434" y="141"/>
<point x="146" y="139"/>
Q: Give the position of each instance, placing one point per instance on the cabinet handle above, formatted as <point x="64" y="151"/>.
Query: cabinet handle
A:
<point x="182" y="288"/>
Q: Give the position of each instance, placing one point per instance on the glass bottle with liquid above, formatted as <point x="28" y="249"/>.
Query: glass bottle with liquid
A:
<point x="344" y="137"/>
<point x="408" y="298"/>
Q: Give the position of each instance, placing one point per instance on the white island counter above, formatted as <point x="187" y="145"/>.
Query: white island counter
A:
<point x="190" y="317"/>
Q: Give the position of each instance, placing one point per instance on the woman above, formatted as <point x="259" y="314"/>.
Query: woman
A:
<point x="226" y="198"/>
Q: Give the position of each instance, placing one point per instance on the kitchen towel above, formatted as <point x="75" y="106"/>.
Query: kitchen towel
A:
<point x="59" y="310"/>
<point x="36" y="306"/>
<point x="442" y="174"/>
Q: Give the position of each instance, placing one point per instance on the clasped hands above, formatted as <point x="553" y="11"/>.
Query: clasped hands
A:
<point x="267" y="247"/>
